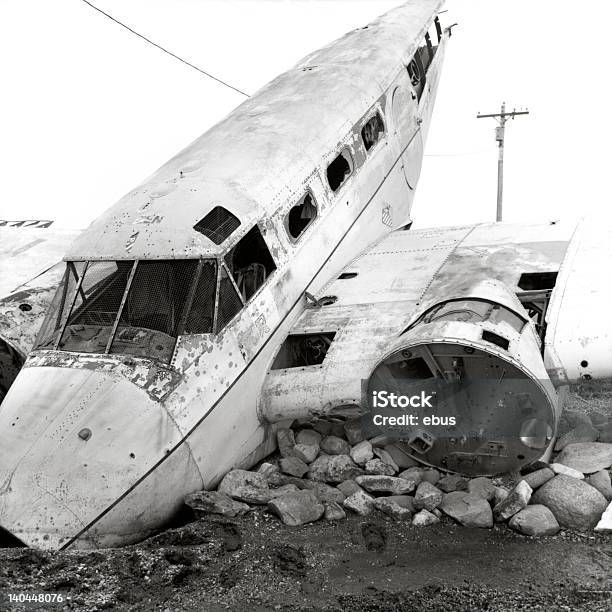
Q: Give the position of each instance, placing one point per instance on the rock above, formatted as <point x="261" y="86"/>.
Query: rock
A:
<point x="319" y="468"/>
<point x="424" y="518"/>
<point x="601" y="481"/>
<point x="213" y="502"/>
<point x="533" y="467"/>
<point x="337" y="429"/>
<point x="583" y="433"/>
<point x="392" y="508"/>
<point x="384" y="456"/>
<point x="348" y="487"/>
<point x="598" y="419"/>
<point x="452" y="482"/>
<point x="353" y="432"/>
<point x="559" y="468"/>
<point x="361" y="503"/>
<point x="322" y="427"/>
<point x="436" y="512"/>
<point x="427" y="496"/>
<point x="293" y="466"/>
<point x="431" y="475"/>
<point x="334" y="512"/>
<point x="361" y="453"/>
<point x="405" y="501"/>
<point x="468" y="509"/>
<point x="539" y="477"/>
<point x="413" y="475"/>
<point x="570" y="419"/>
<point x="587" y="457"/>
<point x="333" y="445"/>
<point x="385" y="484"/>
<point x="325" y="492"/>
<point x="381" y="441"/>
<point x="342" y="467"/>
<point x="288" y="488"/>
<point x="308" y="437"/>
<point x="267" y="469"/>
<point x="401" y="458"/>
<point x="517" y="500"/>
<point x="605" y="433"/>
<point x="286" y="441"/>
<point x="306" y="452"/>
<point x="249" y="487"/>
<point x="297" y="508"/>
<point x="535" y="520"/>
<point x="575" y="503"/>
<point x="605" y="523"/>
<point x="378" y="466"/>
<point x="482" y="486"/>
<point x="500" y="495"/>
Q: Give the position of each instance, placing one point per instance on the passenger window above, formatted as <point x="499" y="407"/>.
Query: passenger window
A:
<point x="250" y="263"/>
<point x="339" y="170"/>
<point x="301" y="216"/>
<point x="218" y="225"/>
<point x="230" y="303"/>
<point x="416" y="73"/>
<point x="372" y="131"/>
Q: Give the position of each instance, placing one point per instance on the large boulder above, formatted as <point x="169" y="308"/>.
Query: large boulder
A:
<point x="297" y="508"/>
<point x="575" y="503"/>
<point x="517" y="500"/>
<point x="539" y="477"/>
<point x="601" y="481"/>
<point x="583" y="433"/>
<point x="535" y="520"/>
<point x="587" y="457"/>
<point x="249" y="487"/>
<point x="468" y="509"/>
<point x="427" y="496"/>
<point x="385" y="484"/>
<point x="213" y="502"/>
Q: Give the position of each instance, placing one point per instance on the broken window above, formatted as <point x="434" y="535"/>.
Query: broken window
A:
<point x="301" y="350"/>
<point x="301" y="216"/>
<point x="218" y="225"/>
<point x="153" y="309"/>
<point x="230" y="302"/>
<point x="339" y="170"/>
<point x="201" y="307"/>
<point x="410" y="369"/>
<point x="250" y="263"/>
<point x="537" y="281"/>
<point x="416" y="73"/>
<point x="372" y="131"/>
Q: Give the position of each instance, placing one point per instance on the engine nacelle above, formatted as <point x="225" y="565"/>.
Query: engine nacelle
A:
<point x="492" y="407"/>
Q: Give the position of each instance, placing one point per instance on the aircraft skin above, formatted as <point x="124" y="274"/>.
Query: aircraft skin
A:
<point x="102" y="439"/>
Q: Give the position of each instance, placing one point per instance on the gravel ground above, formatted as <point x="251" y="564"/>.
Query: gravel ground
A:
<point x="257" y="563"/>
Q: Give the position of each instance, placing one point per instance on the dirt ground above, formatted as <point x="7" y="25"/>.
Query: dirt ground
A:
<point x="374" y="563"/>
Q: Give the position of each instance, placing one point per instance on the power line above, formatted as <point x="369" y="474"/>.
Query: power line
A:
<point x="210" y="76"/>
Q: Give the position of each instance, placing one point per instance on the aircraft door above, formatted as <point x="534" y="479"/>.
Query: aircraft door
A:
<point x="407" y="132"/>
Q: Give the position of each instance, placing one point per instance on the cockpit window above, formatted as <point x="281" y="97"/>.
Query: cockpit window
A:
<point x="201" y="311"/>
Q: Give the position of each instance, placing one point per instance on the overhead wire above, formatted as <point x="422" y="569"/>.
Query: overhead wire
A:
<point x="174" y="55"/>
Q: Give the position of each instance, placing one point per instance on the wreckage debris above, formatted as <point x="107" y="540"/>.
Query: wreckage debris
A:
<point x="326" y="470"/>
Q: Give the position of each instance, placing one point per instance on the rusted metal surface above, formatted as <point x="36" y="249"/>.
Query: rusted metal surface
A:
<point x="257" y="163"/>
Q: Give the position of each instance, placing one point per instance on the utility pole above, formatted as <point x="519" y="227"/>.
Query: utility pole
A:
<point x="501" y="117"/>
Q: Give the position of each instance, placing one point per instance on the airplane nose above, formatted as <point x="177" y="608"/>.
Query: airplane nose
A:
<point x="73" y="445"/>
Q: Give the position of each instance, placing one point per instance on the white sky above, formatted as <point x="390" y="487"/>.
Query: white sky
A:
<point x="88" y="110"/>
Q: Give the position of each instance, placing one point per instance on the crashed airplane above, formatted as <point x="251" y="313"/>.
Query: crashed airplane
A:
<point x="265" y="274"/>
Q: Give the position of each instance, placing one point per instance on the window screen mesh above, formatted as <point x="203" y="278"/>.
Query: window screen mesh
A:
<point x="96" y="307"/>
<point x="218" y="224"/>
<point x="60" y="306"/>
<point x="202" y="311"/>
<point x="149" y="322"/>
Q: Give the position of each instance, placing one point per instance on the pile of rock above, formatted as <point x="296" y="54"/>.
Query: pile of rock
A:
<point x="326" y="469"/>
